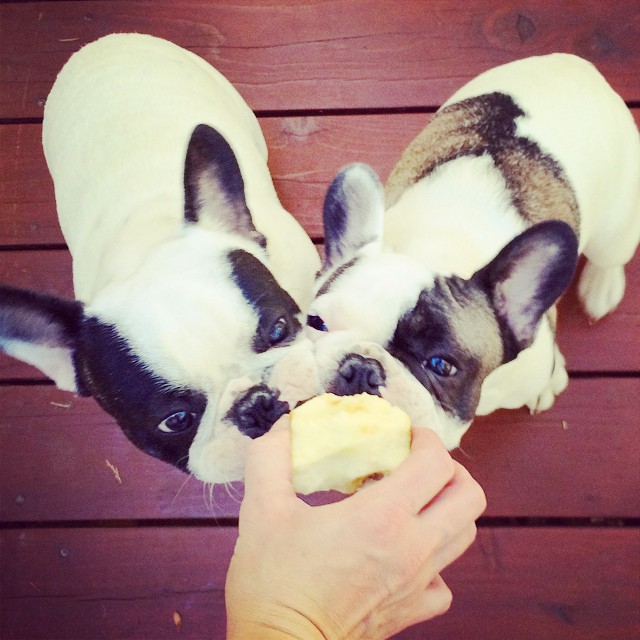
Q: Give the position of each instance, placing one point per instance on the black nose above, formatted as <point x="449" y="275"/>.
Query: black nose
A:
<point x="357" y="374"/>
<point x="255" y="411"/>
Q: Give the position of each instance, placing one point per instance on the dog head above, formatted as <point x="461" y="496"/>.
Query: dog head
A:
<point x="388" y="324"/>
<point x="181" y="351"/>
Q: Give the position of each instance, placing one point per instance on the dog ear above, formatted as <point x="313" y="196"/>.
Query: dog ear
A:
<point x="42" y="331"/>
<point x="526" y="278"/>
<point x="353" y="213"/>
<point x="213" y="185"/>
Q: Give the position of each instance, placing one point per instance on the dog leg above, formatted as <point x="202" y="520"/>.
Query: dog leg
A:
<point x="558" y="382"/>
<point x="559" y="379"/>
<point x="600" y="289"/>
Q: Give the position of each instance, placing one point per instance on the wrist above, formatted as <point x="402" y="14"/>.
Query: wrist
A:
<point x="247" y="622"/>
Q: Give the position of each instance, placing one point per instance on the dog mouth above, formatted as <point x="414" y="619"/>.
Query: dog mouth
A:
<point x="256" y="410"/>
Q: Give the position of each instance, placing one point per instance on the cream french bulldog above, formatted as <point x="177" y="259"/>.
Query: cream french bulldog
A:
<point x="439" y="295"/>
<point x="190" y="278"/>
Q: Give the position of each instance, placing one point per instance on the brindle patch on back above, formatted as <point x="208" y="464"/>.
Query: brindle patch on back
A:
<point x="486" y="125"/>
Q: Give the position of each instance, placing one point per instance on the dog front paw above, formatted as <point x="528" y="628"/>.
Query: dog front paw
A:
<point x="600" y="289"/>
<point x="558" y="382"/>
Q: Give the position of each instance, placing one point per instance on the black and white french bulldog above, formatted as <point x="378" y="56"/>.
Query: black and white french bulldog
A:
<point x="440" y="294"/>
<point x="190" y="277"/>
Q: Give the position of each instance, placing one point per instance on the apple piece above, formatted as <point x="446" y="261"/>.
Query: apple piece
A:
<point x="338" y="442"/>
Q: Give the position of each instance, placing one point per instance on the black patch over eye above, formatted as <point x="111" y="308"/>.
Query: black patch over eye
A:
<point x="279" y="331"/>
<point x="440" y="366"/>
<point x="277" y="312"/>
<point x="317" y="323"/>
<point x="178" y="422"/>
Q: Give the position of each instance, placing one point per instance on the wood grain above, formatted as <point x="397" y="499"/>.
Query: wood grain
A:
<point x="310" y="55"/>
<point x="126" y="583"/>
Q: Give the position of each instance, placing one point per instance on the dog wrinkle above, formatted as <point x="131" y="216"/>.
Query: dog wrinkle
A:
<point x="327" y="284"/>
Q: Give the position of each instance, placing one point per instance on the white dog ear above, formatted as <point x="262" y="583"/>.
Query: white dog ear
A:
<point x="213" y="185"/>
<point x="353" y="213"/>
<point x="527" y="277"/>
<point x="42" y="331"/>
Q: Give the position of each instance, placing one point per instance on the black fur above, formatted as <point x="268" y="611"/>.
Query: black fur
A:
<point x="211" y="160"/>
<point x="553" y="247"/>
<point x="38" y="318"/>
<point x="278" y="314"/>
<point x="139" y="400"/>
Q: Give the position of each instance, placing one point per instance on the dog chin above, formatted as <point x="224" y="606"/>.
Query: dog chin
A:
<point x="221" y="459"/>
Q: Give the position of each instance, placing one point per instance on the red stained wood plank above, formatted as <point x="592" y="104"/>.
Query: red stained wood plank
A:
<point x="528" y="584"/>
<point x="573" y="459"/>
<point x="543" y="583"/>
<point x="114" y="583"/>
<point x="27" y="202"/>
<point x="612" y="343"/>
<point x="45" y="271"/>
<point x="62" y="458"/>
<point x="293" y="55"/>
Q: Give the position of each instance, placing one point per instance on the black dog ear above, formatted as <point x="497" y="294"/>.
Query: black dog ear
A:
<point x="42" y="331"/>
<point x="213" y="185"/>
<point x="527" y="277"/>
<point x="353" y="213"/>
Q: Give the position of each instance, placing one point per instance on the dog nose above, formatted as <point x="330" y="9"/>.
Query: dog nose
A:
<point x="256" y="410"/>
<point x="357" y="374"/>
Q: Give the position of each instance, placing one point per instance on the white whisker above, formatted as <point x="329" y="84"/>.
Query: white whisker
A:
<point x="182" y="486"/>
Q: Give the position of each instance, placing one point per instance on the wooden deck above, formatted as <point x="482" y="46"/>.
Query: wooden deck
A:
<point x="100" y="541"/>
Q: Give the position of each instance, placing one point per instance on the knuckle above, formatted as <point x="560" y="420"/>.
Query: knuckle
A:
<point x="446" y="599"/>
<point x="436" y="456"/>
<point x="479" y="497"/>
<point x="474" y="492"/>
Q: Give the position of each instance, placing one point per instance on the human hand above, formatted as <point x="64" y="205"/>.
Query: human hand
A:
<point x="362" y="568"/>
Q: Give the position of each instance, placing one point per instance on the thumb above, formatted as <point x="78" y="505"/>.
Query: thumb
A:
<point x="268" y="463"/>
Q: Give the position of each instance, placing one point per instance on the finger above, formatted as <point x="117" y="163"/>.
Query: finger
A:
<point x="442" y="557"/>
<point x="432" y="601"/>
<point x="456" y="547"/>
<point x="421" y="476"/>
<point x="461" y="502"/>
<point x="268" y="462"/>
<point x="438" y="597"/>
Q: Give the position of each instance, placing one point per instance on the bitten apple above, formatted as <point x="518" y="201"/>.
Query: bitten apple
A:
<point x="338" y="442"/>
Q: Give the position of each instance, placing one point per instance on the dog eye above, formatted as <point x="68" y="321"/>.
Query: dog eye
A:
<point x="279" y="331"/>
<point x="178" y="422"/>
<point x="440" y="366"/>
<point x="317" y="323"/>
